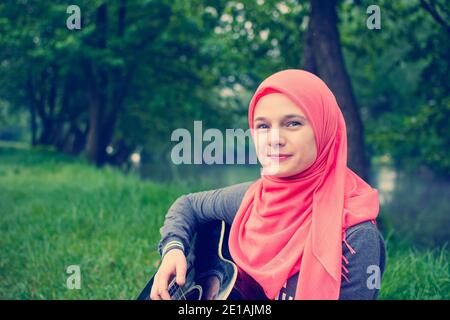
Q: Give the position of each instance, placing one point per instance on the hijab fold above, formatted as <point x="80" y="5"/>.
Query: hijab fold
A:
<point x="296" y="224"/>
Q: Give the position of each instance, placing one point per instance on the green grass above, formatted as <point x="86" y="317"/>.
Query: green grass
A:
<point x="57" y="211"/>
<point x="415" y="274"/>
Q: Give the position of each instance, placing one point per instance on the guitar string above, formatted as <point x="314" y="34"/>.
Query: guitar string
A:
<point x="177" y="295"/>
<point x="176" y="290"/>
<point x="173" y="289"/>
<point x="176" y="287"/>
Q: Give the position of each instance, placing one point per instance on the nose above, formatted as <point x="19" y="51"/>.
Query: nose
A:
<point x="275" y="139"/>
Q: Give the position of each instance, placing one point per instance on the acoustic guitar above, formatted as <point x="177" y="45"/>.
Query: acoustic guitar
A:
<point x="210" y="250"/>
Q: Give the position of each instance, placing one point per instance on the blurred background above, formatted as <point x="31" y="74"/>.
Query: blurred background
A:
<point x="91" y="91"/>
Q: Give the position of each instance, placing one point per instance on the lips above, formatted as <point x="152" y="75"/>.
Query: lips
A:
<point x="279" y="156"/>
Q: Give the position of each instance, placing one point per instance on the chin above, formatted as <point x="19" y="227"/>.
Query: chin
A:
<point x="281" y="173"/>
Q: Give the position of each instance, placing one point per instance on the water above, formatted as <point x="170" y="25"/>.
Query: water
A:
<point x="415" y="205"/>
<point x="217" y="176"/>
<point x="207" y="176"/>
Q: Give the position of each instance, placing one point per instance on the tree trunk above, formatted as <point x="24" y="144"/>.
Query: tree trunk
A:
<point x="95" y="152"/>
<point x="32" y="104"/>
<point x="323" y="56"/>
<point x="97" y="93"/>
<point x="119" y="82"/>
<point x="46" y="105"/>
<point x="103" y="108"/>
<point x="309" y="61"/>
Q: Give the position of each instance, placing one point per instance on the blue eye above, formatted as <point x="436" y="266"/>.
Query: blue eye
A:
<point x="289" y="124"/>
<point x="294" y="122"/>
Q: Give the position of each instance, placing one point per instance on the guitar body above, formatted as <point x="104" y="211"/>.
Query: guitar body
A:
<point x="210" y="251"/>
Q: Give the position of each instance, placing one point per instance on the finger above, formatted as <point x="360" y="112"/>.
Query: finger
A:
<point x="181" y="273"/>
<point x="163" y="284"/>
<point x="154" y="295"/>
<point x="212" y="293"/>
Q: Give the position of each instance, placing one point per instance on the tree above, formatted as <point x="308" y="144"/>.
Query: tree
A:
<point x="323" y="56"/>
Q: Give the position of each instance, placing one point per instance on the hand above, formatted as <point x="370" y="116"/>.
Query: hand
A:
<point x="211" y="285"/>
<point x="173" y="263"/>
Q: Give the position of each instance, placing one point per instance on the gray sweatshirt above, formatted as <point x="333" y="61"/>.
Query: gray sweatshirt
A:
<point x="364" y="253"/>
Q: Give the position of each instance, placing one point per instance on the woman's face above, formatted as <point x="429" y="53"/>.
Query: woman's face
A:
<point x="284" y="138"/>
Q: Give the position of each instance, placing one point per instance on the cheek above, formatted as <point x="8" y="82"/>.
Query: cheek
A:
<point x="306" y="148"/>
<point x="312" y="150"/>
<point x="260" y="144"/>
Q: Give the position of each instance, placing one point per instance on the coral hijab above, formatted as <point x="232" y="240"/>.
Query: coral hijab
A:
<point x="297" y="223"/>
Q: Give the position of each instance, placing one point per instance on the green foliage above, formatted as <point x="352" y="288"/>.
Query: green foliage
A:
<point x="59" y="211"/>
<point x="400" y="76"/>
<point x="198" y="60"/>
<point x="182" y="61"/>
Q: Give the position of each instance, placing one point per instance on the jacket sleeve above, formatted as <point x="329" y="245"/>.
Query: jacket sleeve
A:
<point x="188" y="211"/>
<point x="363" y="263"/>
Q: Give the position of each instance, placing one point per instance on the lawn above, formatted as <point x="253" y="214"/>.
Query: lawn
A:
<point x="58" y="211"/>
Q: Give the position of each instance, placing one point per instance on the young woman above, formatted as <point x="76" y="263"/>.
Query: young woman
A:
<point x="306" y="228"/>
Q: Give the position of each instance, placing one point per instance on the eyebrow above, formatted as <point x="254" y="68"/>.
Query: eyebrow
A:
<point x="289" y="116"/>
